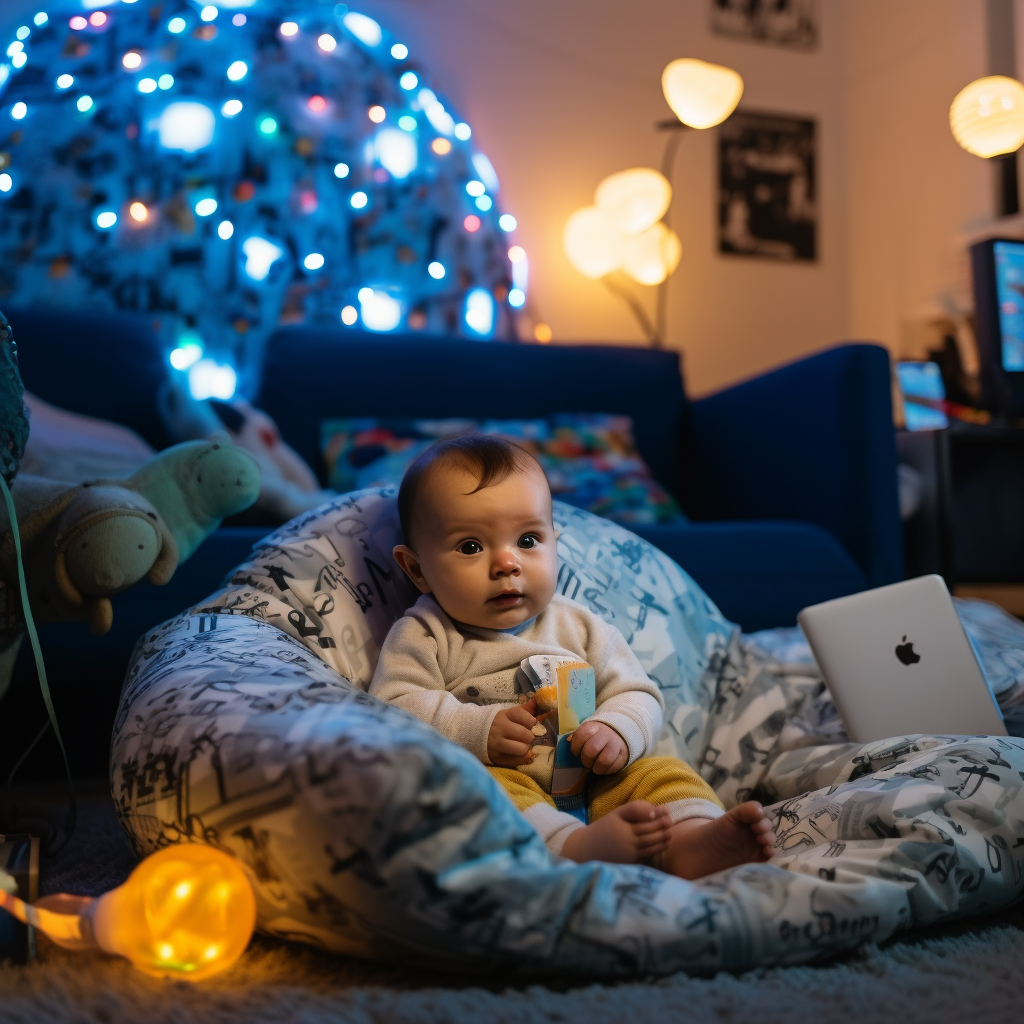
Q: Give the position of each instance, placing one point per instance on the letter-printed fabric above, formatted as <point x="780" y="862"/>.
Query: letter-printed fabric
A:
<point x="244" y="723"/>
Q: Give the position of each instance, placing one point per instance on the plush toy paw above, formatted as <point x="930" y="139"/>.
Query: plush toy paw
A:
<point x="195" y="485"/>
<point x="82" y="545"/>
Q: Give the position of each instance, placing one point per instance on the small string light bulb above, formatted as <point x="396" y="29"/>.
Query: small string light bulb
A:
<point x="186" y="911"/>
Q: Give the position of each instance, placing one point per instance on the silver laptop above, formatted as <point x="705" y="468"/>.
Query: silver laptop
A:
<point x="897" y="662"/>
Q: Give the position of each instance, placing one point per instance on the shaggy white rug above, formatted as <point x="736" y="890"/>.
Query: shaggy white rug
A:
<point x="971" y="971"/>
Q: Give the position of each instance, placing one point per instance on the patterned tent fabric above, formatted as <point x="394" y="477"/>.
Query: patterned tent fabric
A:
<point x="367" y="833"/>
<point x="228" y="167"/>
<point x="13" y="419"/>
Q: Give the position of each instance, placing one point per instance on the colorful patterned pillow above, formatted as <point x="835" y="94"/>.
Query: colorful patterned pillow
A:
<point x="590" y="459"/>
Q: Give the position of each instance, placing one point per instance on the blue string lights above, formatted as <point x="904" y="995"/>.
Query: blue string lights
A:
<point x="228" y="167"/>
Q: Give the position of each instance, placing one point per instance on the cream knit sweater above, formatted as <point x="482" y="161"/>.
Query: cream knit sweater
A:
<point x="457" y="678"/>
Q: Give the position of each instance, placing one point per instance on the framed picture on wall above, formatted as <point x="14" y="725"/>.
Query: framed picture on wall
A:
<point x="794" y="23"/>
<point x="767" y="186"/>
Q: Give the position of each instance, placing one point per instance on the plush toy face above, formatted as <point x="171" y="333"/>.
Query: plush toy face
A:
<point x="223" y="480"/>
<point x="112" y="555"/>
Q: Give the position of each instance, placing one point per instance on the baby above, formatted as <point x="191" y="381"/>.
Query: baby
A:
<point x="480" y="545"/>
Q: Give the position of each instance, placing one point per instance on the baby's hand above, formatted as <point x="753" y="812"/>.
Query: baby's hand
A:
<point x="600" y="748"/>
<point x="511" y="736"/>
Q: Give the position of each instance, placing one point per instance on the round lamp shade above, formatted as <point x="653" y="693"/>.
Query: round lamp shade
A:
<point x="593" y="242"/>
<point x="650" y="257"/>
<point x="185" y="911"/>
<point x="635" y="199"/>
<point x="987" y="116"/>
<point x="701" y="94"/>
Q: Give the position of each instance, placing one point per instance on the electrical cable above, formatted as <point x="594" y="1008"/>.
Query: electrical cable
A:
<point x="33" y="637"/>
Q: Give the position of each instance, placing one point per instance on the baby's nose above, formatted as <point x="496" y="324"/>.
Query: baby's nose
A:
<point x="505" y="564"/>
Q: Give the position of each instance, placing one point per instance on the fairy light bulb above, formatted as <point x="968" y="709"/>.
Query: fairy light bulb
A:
<point x="186" y="911"/>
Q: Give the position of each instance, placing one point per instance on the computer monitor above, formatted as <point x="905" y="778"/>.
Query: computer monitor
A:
<point x="997" y="266"/>
<point x="924" y="396"/>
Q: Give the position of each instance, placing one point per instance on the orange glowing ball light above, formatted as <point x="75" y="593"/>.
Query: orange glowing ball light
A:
<point x="185" y="912"/>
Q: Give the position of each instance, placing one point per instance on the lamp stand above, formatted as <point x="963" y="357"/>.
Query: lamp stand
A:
<point x="675" y="128"/>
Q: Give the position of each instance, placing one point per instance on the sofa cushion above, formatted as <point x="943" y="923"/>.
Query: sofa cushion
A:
<point x="66" y="358"/>
<point x="760" y="574"/>
<point x="312" y="374"/>
<point x="590" y="459"/>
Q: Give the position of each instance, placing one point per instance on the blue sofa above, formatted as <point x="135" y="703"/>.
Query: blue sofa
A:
<point x="788" y="480"/>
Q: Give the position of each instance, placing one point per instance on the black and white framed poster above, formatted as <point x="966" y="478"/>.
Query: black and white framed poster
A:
<point x="767" y="186"/>
<point x="794" y="23"/>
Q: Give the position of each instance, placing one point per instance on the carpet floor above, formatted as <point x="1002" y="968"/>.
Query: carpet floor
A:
<point x="970" y="970"/>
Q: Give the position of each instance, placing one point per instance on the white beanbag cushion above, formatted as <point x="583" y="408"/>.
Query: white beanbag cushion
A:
<point x="243" y="723"/>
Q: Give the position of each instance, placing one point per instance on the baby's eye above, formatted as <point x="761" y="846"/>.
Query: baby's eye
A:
<point x="470" y="547"/>
<point x="529" y="540"/>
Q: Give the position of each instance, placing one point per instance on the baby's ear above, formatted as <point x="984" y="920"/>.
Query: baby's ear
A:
<point x="410" y="564"/>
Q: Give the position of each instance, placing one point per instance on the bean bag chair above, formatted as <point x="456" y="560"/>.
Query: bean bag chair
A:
<point x="244" y="723"/>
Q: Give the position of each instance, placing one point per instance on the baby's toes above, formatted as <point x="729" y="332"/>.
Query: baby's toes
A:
<point x="750" y="813"/>
<point x="640" y="812"/>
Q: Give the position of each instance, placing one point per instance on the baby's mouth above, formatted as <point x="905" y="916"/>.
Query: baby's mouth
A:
<point x="506" y="599"/>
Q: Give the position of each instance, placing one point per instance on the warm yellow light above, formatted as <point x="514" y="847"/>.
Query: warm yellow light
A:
<point x="131" y="60"/>
<point x="542" y="333"/>
<point x="635" y="199"/>
<point x="592" y="242"/>
<point x="987" y="116"/>
<point x="186" y="911"/>
<point x="138" y="211"/>
<point x="701" y="94"/>
<point x="517" y="254"/>
<point x="376" y="114"/>
<point x="441" y="146"/>
<point x="650" y="257"/>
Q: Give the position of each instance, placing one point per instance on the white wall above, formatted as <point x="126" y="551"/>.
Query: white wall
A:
<point x="562" y="92"/>
<point x="915" y="198"/>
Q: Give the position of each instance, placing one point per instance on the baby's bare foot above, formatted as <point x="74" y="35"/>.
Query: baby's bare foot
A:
<point x="632" y="834"/>
<point x="702" y="846"/>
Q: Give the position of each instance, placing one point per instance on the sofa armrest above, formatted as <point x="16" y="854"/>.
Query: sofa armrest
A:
<point x="812" y="441"/>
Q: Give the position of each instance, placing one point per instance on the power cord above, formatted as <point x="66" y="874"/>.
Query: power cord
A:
<point x="33" y="637"/>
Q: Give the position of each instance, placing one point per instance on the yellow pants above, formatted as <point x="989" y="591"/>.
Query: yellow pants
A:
<point x="659" y="780"/>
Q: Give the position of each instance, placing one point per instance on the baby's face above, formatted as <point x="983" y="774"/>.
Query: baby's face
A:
<point x="487" y="557"/>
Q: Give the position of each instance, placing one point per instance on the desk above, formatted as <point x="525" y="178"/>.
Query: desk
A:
<point x="970" y="526"/>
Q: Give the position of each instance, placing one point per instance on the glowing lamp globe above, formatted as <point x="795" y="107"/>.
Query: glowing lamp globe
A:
<point x="593" y="242"/>
<point x="187" y="910"/>
<point x="650" y="257"/>
<point x="635" y="199"/>
<point x="987" y="116"/>
<point x="701" y="94"/>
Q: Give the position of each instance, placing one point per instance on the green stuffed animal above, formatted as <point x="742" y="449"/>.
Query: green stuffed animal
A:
<point x="82" y="545"/>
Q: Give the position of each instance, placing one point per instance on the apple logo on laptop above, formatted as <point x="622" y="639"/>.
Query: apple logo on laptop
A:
<point x="906" y="653"/>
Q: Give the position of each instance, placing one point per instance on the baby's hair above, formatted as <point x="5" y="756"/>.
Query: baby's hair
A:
<point x="491" y="458"/>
